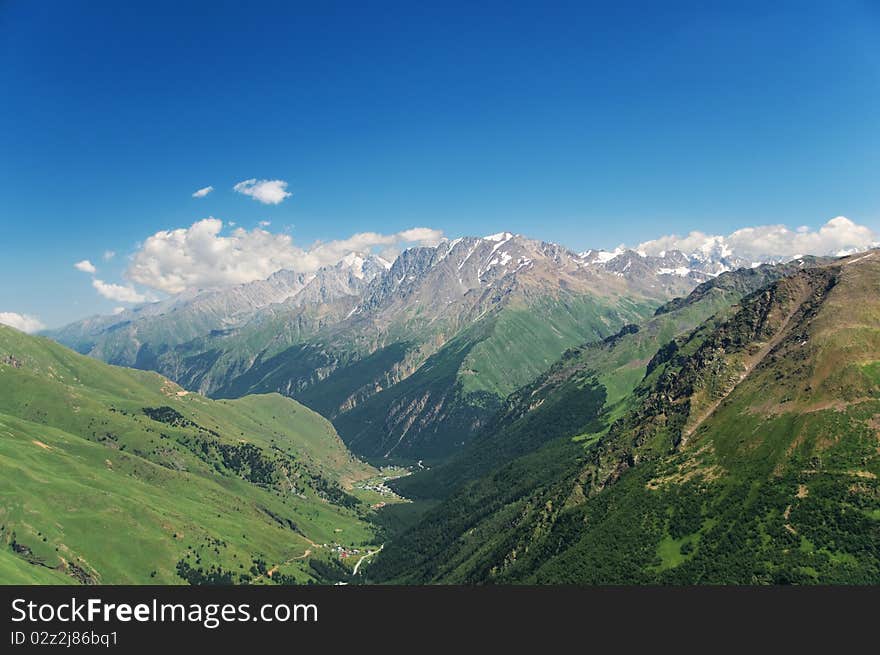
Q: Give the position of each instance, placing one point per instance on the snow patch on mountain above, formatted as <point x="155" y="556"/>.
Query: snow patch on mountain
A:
<point x="601" y="256"/>
<point x="681" y="271"/>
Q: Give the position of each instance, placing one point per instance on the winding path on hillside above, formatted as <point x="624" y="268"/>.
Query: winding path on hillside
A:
<point x="361" y="560"/>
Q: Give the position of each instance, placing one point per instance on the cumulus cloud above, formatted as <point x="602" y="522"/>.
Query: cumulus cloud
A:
<point x="268" y="192"/>
<point x="423" y="235"/>
<point x="200" y="257"/>
<point x="85" y="266"/>
<point x="108" y="255"/>
<point x="840" y="235"/>
<point x="22" y="322"/>
<point x="201" y="193"/>
<point x="118" y="292"/>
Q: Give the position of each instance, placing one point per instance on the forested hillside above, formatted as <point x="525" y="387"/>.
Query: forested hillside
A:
<point x="747" y="454"/>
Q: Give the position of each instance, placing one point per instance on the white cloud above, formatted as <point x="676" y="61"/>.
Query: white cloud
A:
<point x="264" y="223"/>
<point x="118" y="292"/>
<point x="201" y="193"/>
<point x="838" y="236"/>
<point x="200" y="257"/>
<point x="108" y="255"/>
<point x="22" y="322"/>
<point x="86" y="267"/>
<point x="423" y="235"/>
<point x="118" y="310"/>
<point x="268" y="192"/>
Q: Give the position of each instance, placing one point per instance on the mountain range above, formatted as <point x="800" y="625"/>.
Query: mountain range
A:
<point x="407" y="359"/>
<point x="594" y="418"/>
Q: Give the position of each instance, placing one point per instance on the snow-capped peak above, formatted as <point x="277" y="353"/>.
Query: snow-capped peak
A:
<point x="500" y="236"/>
<point x="363" y="266"/>
<point x="605" y="256"/>
<point x="355" y="263"/>
<point x="353" y="259"/>
<point x="714" y="247"/>
<point x="601" y="256"/>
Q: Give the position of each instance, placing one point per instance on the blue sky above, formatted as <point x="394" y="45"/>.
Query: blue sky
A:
<point x="581" y="123"/>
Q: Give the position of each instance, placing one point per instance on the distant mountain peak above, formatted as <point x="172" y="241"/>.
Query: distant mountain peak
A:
<point x="499" y="237"/>
<point x="705" y="260"/>
<point x="601" y="256"/>
<point x="364" y="266"/>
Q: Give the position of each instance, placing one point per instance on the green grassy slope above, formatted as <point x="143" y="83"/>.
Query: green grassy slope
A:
<point x="16" y="571"/>
<point x="114" y="475"/>
<point x="747" y="454"/>
<point x="527" y="339"/>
